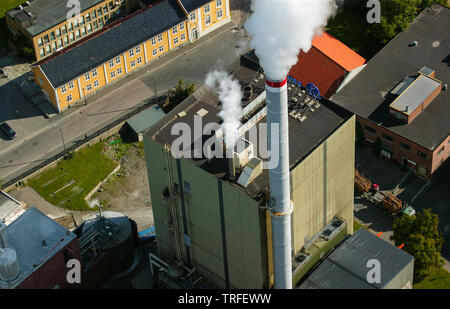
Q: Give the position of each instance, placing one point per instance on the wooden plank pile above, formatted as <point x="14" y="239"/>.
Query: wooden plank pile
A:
<point x="392" y="203"/>
<point x="362" y="184"/>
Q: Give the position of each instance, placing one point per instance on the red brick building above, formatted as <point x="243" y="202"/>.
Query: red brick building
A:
<point x="401" y="96"/>
<point x="327" y="64"/>
<point x="41" y="248"/>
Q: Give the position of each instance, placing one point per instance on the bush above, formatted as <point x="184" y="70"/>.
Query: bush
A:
<point x="24" y="47"/>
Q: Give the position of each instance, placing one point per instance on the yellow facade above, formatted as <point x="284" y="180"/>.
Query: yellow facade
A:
<point x="117" y="67"/>
<point x="63" y="34"/>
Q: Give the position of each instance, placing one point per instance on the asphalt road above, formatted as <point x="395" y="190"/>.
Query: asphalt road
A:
<point x="219" y="50"/>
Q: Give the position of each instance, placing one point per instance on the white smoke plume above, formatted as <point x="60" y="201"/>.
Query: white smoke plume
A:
<point x="281" y="28"/>
<point x="93" y="203"/>
<point x="230" y="94"/>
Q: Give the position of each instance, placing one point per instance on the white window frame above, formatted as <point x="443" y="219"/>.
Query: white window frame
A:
<point x="221" y="14"/>
<point x="131" y="52"/>
<point x="87" y="76"/>
<point x="138" y="49"/>
<point x="63" y="89"/>
<point x="96" y="84"/>
<point x="112" y="74"/>
<point x="175" y="40"/>
<point x="161" y="48"/>
<point x="132" y="63"/>
<point x="153" y="41"/>
<point x="207" y="8"/>
<point x="118" y="60"/>
<point x="71" y="85"/>
<point x="182" y="37"/>
<point x="160" y="37"/>
<point x="88" y="87"/>
<point x="181" y="26"/>
<point x="155" y="52"/>
<point x="218" y="3"/>
<point x="206" y="20"/>
<point x="69" y="98"/>
<point x="175" y="30"/>
<point x="139" y="60"/>
<point x="94" y="73"/>
<point x="119" y="71"/>
<point x="193" y="16"/>
<point x="111" y="63"/>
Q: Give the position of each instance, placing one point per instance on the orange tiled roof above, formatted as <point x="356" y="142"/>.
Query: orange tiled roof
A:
<point x="338" y="51"/>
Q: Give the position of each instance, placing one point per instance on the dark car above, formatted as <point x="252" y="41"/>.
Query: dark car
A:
<point x="9" y="132"/>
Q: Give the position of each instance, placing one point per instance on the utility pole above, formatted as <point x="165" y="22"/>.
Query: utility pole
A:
<point x="62" y="136"/>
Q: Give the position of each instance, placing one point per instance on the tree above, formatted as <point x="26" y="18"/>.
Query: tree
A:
<point x="24" y="47"/>
<point x="396" y="15"/>
<point x="181" y="91"/>
<point x="421" y="239"/>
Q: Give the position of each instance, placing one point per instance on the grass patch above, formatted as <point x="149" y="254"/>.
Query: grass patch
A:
<point x="357" y="226"/>
<point x="5" y="6"/>
<point x="66" y="184"/>
<point x="438" y="280"/>
<point x="351" y="28"/>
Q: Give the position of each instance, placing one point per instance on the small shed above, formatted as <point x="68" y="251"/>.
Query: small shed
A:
<point x="144" y="120"/>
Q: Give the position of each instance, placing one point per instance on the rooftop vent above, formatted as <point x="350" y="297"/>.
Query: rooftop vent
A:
<point x="251" y="171"/>
<point x="202" y="112"/>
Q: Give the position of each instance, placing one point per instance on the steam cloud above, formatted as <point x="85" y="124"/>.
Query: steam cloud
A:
<point x="280" y="28"/>
<point x="93" y="203"/>
<point x="229" y="92"/>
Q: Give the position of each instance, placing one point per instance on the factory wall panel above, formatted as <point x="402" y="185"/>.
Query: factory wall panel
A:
<point x="322" y="186"/>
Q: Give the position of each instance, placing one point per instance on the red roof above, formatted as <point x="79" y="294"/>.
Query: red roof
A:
<point x="326" y="64"/>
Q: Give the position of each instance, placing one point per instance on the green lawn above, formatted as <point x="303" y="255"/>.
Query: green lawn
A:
<point x="439" y="280"/>
<point x="5" y="6"/>
<point x="352" y="29"/>
<point x="66" y="184"/>
<point x="357" y="226"/>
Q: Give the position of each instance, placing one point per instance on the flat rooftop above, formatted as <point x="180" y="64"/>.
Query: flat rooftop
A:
<point x="346" y="267"/>
<point x="28" y="232"/>
<point x="48" y="13"/>
<point x="304" y="136"/>
<point x="368" y="94"/>
<point x="417" y="92"/>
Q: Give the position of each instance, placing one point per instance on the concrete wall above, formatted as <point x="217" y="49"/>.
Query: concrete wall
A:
<point x="322" y="186"/>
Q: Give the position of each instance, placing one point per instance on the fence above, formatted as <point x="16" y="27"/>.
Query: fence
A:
<point x="81" y="141"/>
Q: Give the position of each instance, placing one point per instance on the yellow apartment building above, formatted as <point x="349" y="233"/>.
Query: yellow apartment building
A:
<point x="125" y="45"/>
<point x="45" y="22"/>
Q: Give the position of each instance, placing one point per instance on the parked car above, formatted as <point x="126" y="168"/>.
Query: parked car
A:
<point x="7" y="130"/>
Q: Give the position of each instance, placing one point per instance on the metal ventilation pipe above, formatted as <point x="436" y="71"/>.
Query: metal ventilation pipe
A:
<point x="281" y="208"/>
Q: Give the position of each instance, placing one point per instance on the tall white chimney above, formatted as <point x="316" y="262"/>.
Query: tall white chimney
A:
<point x="281" y="208"/>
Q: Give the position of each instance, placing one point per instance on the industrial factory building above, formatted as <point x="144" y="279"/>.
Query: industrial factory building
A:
<point x="34" y="246"/>
<point x="401" y="97"/>
<point x="212" y="216"/>
<point x="346" y="267"/>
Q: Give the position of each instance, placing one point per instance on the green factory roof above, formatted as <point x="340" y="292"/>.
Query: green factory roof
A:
<point x="146" y="119"/>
